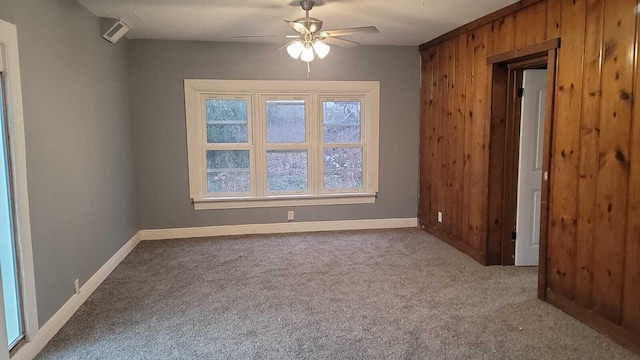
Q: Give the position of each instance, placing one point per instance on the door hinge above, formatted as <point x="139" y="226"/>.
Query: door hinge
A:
<point x="520" y="92"/>
<point x="513" y="235"/>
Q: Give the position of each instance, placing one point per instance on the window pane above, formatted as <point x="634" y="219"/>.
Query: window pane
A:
<point x="227" y="171"/>
<point x="342" y="168"/>
<point x="227" y="121"/>
<point x="286" y="121"/>
<point x="287" y="170"/>
<point x="341" y="121"/>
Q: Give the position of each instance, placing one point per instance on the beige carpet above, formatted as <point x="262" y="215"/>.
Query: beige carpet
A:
<point x="391" y="294"/>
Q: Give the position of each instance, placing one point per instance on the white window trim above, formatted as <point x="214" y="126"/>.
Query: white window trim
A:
<point x="366" y="91"/>
<point x="11" y="70"/>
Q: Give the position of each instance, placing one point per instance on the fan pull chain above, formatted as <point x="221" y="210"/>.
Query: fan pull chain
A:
<point x="308" y="70"/>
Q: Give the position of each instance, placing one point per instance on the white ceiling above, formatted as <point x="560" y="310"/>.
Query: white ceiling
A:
<point x="401" y="22"/>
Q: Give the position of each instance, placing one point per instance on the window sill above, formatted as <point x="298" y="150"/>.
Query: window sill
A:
<point x="289" y="200"/>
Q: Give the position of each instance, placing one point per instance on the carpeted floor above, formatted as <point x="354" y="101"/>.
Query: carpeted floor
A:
<point x="390" y="294"/>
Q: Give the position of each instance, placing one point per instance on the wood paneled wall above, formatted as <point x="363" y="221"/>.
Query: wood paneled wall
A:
<point x="455" y="125"/>
<point x="594" y="213"/>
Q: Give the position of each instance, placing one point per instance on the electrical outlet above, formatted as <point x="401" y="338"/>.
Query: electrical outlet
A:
<point x="439" y="216"/>
<point x="76" y="285"/>
<point x="290" y="215"/>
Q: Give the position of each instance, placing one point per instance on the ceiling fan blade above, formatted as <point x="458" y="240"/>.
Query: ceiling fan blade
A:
<point x="340" y="42"/>
<point x="285" y="45"/>
<point x="292" y="36"/>
<point x="255" y="36"/>
<point x="350" y="31"/>
<point x="297" y="27"/>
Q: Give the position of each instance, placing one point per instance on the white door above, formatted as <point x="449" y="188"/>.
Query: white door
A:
<point x="530" y="167"/>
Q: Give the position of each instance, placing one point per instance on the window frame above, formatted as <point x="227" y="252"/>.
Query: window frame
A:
<point x="314" y="93"/>
<point x="10" y="67"/>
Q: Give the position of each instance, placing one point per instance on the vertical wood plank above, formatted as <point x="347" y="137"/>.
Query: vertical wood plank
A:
<point x="468" y="139"/>
<point x="435" y="121"/>
<point x="478" y="171"/>
<point x="426" y="96"/>
<point x="487" y="96"/>
<point x="520" y="36"/>
<point x="504" y="34"/>
<point x="588" y="159"/>
<point x="630" y="302"/>
<point x="487" y="99"/>
<point x="421" y="173"/>
<point x="613" y="174"/>
<point x="450" y="139"/>
<point x="530" y="25"/>
<point x="554" y="18"/>
<point x="442" y="134"/>
<point x="536" y="23"/>
<point x="563" y="212"/>
<point x="439" y="133"/>
<point x="459" y="136"/>
<point x="431" y="156"/>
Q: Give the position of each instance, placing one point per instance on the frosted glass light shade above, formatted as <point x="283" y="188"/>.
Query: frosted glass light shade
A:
<point x="321" y="49"/>
<point x="307" y="54"/>
<point x="295" y="49"/>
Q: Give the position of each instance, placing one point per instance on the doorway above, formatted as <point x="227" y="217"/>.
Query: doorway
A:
<point x="525" y="113"/>
<point x="522" y="95"/>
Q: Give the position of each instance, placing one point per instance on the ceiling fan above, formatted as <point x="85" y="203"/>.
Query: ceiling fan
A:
<point x="311" y="38"/>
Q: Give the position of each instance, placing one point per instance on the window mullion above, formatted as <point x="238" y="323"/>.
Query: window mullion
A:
<point x="311" y="141"/>
<point x="226" y="147"/>
<point x="340" y="145"/>
<point x="259" y="136"/>
<point x="283" y="146"/>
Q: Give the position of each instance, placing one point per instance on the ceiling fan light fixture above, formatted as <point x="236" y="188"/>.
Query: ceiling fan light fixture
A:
<point x="307" y="54"/>
<point x="295" y="49"/>
<point x="311" y="41"/>
<point x="321" y="49"/>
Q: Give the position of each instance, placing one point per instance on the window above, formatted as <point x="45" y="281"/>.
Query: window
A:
<point x="18" y="284"/>
<point x="281" y="143"/>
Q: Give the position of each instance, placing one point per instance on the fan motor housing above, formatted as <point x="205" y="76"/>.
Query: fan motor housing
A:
<point x="312" y="24"/>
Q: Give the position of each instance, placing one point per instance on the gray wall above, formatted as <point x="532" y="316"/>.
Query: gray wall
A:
<point x="158" y="70"/>
<point x="79" y="143"/>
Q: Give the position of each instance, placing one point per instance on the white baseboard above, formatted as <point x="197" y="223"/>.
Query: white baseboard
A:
<point x="53" y="325"/>
<point x="277" y="228"/>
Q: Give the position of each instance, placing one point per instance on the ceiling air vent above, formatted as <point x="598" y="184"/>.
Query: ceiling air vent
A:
<point x="113" y="29"/>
